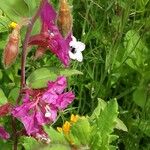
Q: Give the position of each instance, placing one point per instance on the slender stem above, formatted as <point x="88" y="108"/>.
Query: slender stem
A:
<point x="25" y="44"/>
<point x="23" y="63"/>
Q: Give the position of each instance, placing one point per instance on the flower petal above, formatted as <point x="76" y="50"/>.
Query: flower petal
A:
<point x="4" y="134"/>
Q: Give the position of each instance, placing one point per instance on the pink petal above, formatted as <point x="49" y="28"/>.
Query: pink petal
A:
<point x="3" y="134"/>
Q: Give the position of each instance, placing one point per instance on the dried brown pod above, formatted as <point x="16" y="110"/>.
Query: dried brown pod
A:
<point x="64" y="20"/>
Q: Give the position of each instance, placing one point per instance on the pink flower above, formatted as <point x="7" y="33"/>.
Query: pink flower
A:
<point x="40" y="106"/>
<point x="3" y="134"/>
<point x="50" y="36"/>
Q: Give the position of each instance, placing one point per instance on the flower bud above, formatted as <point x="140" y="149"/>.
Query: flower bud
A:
<point x="12" y="47"/>
<point x="64" y="18"/>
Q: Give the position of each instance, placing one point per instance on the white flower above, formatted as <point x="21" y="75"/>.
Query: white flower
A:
<point x="76" y="48"/>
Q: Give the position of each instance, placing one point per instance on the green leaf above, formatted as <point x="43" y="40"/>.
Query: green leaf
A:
<point x="40" y="77"/>
<point x="136" y="50"/>
<point x="140" y="96"/>
<point x="81" y="129"/>
<point x="29" y="143"/>
<point x="3" y="98"/>
<point x="55" y="136"/>
<point x="32" y="5"/>
<point x="70" y="72"/>
<point x="14" y="93"/>
<point x="103" y="125"/>
<point x="120" y="125"/>
<point x="14" y="9"/>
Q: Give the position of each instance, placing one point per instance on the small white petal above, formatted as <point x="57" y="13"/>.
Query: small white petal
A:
<point x="72" y="55"/>
<point x="80" y="46"/>
<point x="73" y="38"/>
<point x="79" y="56"/>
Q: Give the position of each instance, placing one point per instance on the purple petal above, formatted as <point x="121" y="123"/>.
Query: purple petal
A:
<point x="58" y="86"/>
<point x="30" y="123"/>
<point x="3" y="134"/>
<point x="65" y="99"/>
<point x="48" y="14"/>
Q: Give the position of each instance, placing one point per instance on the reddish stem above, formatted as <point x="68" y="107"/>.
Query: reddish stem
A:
<point x="23" y="63"/>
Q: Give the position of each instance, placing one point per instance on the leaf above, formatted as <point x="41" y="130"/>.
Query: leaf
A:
<point x="120" y="125"/>
<point x="55" y="136"/>
<point x="14" y="93"/>
<point x="3" y="98"/>
<point x="140" y="96"/>
<point x="104" y="125"/>
<point x="136" y="50"/>
<point x="29" y="143"/>
<point x="14" y="9"/>
<point x="81" y="129"/>
<point x="40" y="77"/>
<point x="70" y="72"/>
<point x="32" y="5"/>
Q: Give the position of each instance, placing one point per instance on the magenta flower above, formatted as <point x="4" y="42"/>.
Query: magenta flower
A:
<point x="3" y="134"/>
<point x="50" y="36"/>
<point x="40" y="106"/>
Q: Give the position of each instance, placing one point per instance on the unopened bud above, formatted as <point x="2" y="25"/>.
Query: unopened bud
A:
<point x="64" y="18"/>
<point x="12" y="48"/>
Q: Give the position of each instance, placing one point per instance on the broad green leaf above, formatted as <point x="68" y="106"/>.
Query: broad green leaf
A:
<point x="136" y="50"/>
<point x="140" y="96"/>
<point x="40" y="77"/>
<point x="81" y="129"/>
<point x="3" y="98"/>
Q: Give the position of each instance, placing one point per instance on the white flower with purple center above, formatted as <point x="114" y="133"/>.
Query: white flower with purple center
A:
<point x="76" y="48"/>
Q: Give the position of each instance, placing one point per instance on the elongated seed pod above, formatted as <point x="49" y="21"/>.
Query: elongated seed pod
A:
<point x="64" y="20"/>
<point x="12" y="47"/>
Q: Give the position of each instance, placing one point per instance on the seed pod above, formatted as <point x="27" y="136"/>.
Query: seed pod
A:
<point x="64" y="20"/>
<point x="12" y="47"/>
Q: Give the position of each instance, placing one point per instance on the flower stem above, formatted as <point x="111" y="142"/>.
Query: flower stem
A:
<point x="23" y="63"/>
<point x="25" y="43"/>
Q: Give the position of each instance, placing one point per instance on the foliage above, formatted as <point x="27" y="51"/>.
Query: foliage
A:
<point x="116" y="68"/>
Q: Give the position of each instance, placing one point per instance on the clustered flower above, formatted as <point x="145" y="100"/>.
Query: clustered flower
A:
<point x="40" y="106"/>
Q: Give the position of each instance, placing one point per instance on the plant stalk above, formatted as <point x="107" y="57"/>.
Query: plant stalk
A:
<point x="23" y="63"/>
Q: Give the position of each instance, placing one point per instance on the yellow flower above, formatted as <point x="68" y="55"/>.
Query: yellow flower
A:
<point x="74" y="118"/>
<point x="13" y="25"/>
<point x="66" y="127"/>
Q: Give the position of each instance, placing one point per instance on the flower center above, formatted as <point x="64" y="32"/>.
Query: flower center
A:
<point x="73" y="50"/>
